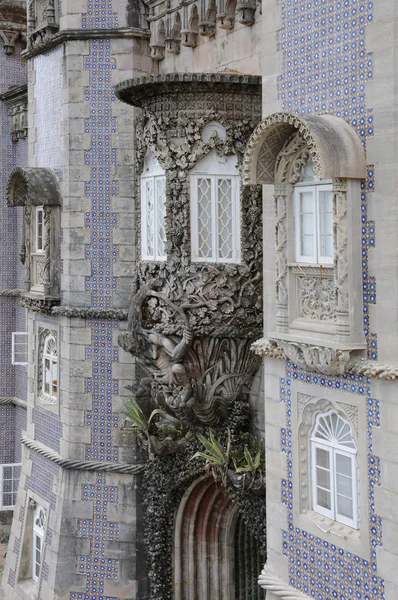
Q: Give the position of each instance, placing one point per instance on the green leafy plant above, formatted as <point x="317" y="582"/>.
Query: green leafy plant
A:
<point x="217" y="459"/>
<point x="252" y="464"/>
<point x="135" y="415"/>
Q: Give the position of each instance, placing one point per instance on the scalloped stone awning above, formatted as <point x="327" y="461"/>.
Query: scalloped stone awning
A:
<point x="335" y="147"/>
<point x="33" y="186"/>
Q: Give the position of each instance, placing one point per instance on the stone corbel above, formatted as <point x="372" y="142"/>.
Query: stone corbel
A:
<point x="173" y="44"/>
<point x="315" y="357"/>
<point x="207" y="28"/>
<point x="246" y="10"/>
<point x="9" y="37"/>
<point x="189" y="38"/>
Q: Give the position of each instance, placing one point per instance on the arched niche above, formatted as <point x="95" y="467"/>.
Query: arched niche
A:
<point x="215" y="556"/>
<point x="335" y="147"/>
<point x="37" y="190"/>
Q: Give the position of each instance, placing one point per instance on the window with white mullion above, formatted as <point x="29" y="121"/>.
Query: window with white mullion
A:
<point x="333" y="469"/>
<point x="322" y="480"/>
<point x="160" y="217"/>
<point x="227" y="234"/>
<point x="203" y="223"/>
<point x="39" y="245"/>
<point x="153" y="238"/>
<point x="314" y="224"/>
<point x="215" y="218"/>
<point x="19" y="348"/>
<point x="324" y="207"/>
<point x="305" y="209"/>
<point x="345" y="486"/>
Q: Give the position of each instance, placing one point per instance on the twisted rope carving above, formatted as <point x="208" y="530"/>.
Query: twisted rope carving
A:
<point x="281" y="242"/>
<point x="14" y="401"/>
<point x="81" y="465"/>
<point x="279" y="588"/>
<point x="9" y="293"/>
<point x="341" y="239"/>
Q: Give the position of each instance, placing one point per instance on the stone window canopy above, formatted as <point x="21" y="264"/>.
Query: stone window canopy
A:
<point x="334" y="146"/>
<point x="318" y="320"/>
<point x="32" y="188"/>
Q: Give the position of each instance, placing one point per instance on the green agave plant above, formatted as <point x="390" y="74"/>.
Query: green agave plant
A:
<point x="140" y="422"/>
<point x="252" y="464"/>
<point x="216" y="457"/>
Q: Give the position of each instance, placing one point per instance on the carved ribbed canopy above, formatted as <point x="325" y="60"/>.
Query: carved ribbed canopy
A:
<point x="33" y="186"/>
<point x="334" y="145"/>
<point x="137" y="91"/>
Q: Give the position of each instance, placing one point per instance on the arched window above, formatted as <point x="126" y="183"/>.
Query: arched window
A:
<point x="39" y="526"/>
<point x="50" y="369"/>
<point x="153" y="210"/>
<point x="313" y="207"/>
<point x="215" y="210"/>
<point x="334" y="484"/>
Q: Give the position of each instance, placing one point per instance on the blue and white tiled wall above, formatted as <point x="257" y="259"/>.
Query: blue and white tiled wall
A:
<point x="325" y="70"/>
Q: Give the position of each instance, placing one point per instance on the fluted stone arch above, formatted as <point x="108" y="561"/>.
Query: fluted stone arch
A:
<point x="334" y="146"/>
<point x="35" y="186"/>
<point x="215" y="557"/>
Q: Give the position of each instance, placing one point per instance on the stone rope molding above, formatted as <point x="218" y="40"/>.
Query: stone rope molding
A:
<point x="367" y="368"/>
<point x="9" y="292"/>
<point x="77" y="312"/>
<point x="81" y="465"/>
<point x="279" y="588"/>
<point x="12" y="400"/>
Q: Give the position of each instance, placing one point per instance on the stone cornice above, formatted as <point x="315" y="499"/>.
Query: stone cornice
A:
<point x="134" y="91"/>
<point x="15" y="94"/>
<point x="71" y="35"/>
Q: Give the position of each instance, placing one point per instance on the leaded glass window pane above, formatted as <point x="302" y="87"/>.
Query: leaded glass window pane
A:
<point x="205" y="218"/>
<point x="225" y="218"/>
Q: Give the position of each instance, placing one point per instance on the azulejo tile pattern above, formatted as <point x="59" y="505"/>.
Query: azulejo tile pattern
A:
<point x="48" y="113"/>
<point x="325" y="70"/>
<point x="100" y="190"/>
<point x="99" y="530"/>
<point x="101" y="418"/>
<point x="318" y="567"/>
<point x="99" y="15"/>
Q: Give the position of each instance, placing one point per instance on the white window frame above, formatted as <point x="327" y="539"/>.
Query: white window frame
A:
<point x="236" y="242"/>
<point x="154" y="179"/>
<point x="39" y="248"/>
<point x="38" y="534"/>
<point x="4" y="506"/>
<point x="316" y="258"/>
<point x="14" y="347"/>
<point x="53" y="360"/>
<point x="333" y="450"/>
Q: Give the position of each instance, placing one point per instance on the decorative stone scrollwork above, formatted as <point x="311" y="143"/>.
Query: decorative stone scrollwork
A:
<point x="315" y="357"/>
<point x="16" y="101"/>
<point x="42" y="23"/>
<point x="316" y="298"/>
